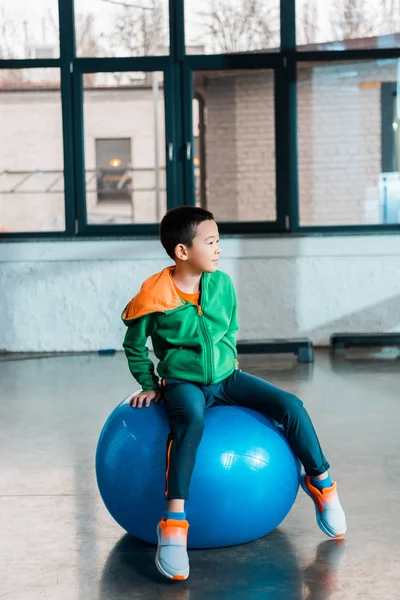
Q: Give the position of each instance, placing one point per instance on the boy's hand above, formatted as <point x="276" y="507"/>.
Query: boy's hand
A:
<point x="137" y="400"/>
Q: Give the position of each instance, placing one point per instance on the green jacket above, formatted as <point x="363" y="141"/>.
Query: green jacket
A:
<point x="194" y="343"/>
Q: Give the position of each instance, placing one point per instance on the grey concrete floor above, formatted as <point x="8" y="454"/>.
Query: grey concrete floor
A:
<point x="58" y="541"/>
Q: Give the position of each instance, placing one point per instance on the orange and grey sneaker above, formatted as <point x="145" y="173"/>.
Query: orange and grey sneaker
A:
<point x="172" y="558"/>
<point x="330" y="515"/>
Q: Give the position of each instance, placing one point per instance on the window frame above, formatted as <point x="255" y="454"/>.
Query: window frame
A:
<point x="177" y="67"/>
<point x="63" y="63"/>
<point x="270" y="62"/>
<point x="326" y="56"/>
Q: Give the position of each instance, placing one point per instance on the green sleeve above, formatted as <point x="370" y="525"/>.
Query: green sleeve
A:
<point x="137" y="353"/>
<point x="234" y="324"/>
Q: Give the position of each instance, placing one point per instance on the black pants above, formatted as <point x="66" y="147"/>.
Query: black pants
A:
<point x="186" y="402"/>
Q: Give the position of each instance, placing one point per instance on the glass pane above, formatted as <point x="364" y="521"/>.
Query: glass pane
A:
<point x="348" y="124"/>
<point x="344" y="24"/>
<point x="124" y="148"/>
<point x="29" y="29"/>
<point x="234" y="135"/>
<point x="31" y="151"/>
<point x="121" y="28"/>
<point x="223" y="26"/>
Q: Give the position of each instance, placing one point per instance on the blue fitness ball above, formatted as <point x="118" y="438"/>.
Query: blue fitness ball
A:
<point x="244" y="484"/>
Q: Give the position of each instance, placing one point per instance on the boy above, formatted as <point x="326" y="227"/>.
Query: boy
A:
<point x="190" y="312"/>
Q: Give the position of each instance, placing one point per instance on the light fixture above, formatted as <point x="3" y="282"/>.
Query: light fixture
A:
<point x="115" y="162"/>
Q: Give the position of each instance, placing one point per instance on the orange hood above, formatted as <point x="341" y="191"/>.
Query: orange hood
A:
<point x="157" y="294"/>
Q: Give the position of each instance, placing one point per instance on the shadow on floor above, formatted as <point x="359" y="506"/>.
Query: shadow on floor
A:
<point x="266" y="569"/>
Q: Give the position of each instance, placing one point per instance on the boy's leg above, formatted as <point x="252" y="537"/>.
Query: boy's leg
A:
<point x="252" y="392"/>
<point x="185" y="404"/>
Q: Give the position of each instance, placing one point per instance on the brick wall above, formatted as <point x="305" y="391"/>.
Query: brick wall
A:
<point x="256" y="147"/>
<point x="339" y="116"/>
<point x="240" y="151"/>
<point x="220" y="145"/>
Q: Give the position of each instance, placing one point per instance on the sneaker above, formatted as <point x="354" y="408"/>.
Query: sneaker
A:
<point x="172" y="558"/>
<point x="330" y="515"/>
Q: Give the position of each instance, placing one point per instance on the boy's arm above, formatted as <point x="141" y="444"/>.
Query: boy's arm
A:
<point x="137" y="353"/>
<point x="234" y="323"/>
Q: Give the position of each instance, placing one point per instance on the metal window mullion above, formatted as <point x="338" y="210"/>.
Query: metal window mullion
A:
<point x="350" y="229"/>
<point x="110" y="65"/>
<point x="286" y="122"/>
<point x="114" y="230"/>
<point x="184" y="87"/>
<point x="30" y="63"/>
<point x="34" y="235"/>
<point x="174" y="107"/>
<point x="79" y="153"/>
<point x="173" y="172"/>
<point x="388" y="135"/>
<point x="343" y="55"/>
<point x="187" y="150"/>
<point x="221" y="62"/>
<point x="67" y="52"/>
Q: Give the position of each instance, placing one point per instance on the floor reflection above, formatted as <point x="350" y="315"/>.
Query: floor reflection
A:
<point x="267" y="569"/>
<point x="321" y="577"/>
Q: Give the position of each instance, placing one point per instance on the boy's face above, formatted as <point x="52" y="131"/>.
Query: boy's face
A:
<point x="204" y="253"/>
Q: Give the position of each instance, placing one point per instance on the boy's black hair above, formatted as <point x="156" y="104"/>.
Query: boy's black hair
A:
<point x="179" y="226"/>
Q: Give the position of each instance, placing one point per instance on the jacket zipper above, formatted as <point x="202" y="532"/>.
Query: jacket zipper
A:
<point x="208" y="342"/>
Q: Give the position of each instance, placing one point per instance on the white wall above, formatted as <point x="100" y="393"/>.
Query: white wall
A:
<point x="63" y="296"/>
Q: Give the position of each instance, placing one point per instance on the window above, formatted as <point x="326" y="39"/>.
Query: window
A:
<point x="29" y="29"/>
<point x="31" y="151"/>
<point x="106" y="122"/>
<point x="340" y="141"/>
<point x="234" y="164"/>
<point x="347" y="24"/>
<point x="390" y="178"/>
<point x="225" y="26"/>
<point x="124" y="148"/>
<point x="121" y="27"/>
